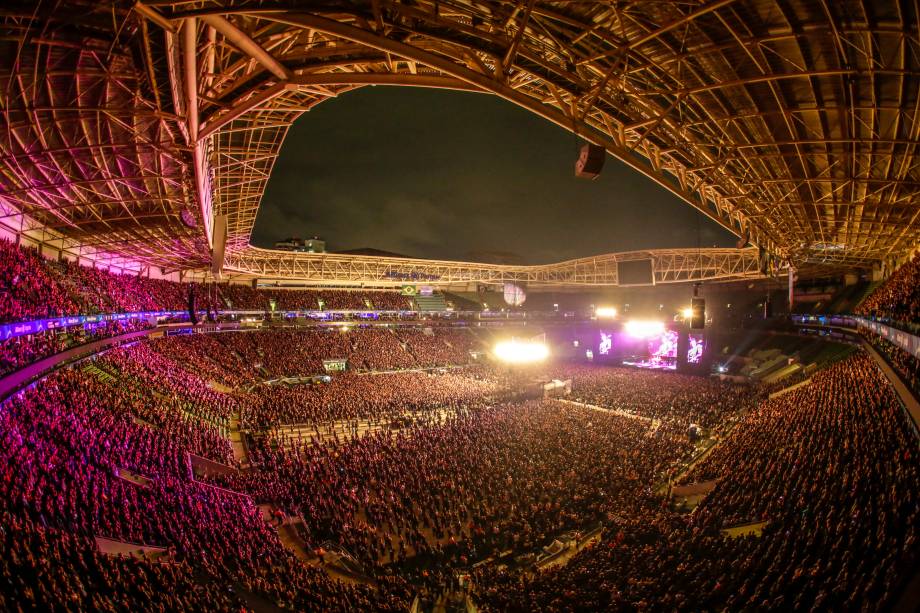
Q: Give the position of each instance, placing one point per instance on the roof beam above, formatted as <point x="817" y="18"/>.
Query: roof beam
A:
<point x="508" y="60"/>
<point x="703" y="10"/>
<point x="248" y="46"/>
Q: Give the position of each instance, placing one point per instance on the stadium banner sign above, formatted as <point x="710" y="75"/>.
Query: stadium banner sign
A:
<point x="905" y="340"/>
<point x="408" y="290"/>
<point x="37" y="326"/>
<point x="335" y="365"/>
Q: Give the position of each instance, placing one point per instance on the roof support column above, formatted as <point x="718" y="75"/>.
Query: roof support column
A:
<point x="199" y="151"/>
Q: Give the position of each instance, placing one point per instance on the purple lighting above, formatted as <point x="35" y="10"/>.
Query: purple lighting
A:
<point x="606" y="344"/>
<point x="695" y="351"/>
<point x="649" y="344"/>
<point x="662" y="352"/>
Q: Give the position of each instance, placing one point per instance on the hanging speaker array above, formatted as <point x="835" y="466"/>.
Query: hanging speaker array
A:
<point x="590" y="161"/>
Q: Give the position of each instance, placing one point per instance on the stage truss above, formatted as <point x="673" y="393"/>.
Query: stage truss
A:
<point x="794" y="123"/>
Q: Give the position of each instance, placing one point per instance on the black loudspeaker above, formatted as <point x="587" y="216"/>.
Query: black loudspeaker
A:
<point x="743" y="239"/>
<point x="698" y="318"/>
<point x="590" y="161"/>
<point x="192" y="315"/>
<point x="220" y="244"/>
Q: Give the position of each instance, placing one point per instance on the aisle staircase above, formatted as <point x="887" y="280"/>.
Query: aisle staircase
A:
<point x="236" y="440"/>
<point x="97" y="372"/>
<point x="433" y="303"/>
<point x="288" y="534"/>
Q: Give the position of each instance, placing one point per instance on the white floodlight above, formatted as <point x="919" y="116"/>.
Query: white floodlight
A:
<point x="521" y="352"/>
<point x="605" y="312"/>
<point x="640" y="328"/>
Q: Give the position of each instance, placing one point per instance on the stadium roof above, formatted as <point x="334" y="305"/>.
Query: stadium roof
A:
<point x="127" y="127"/>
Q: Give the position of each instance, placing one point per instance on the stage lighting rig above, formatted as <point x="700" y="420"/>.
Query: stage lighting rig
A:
<point x="605" y="312"/>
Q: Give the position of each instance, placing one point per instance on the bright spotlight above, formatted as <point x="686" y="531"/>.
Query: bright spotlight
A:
<point x="605" y="312"/>
<point x="639" y="328"/>
<point x="521" y="352"/>
<point x="687" y="313"/>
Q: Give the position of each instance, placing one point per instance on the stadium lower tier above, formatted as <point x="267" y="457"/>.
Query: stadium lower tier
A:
<point x="364" y="491"/>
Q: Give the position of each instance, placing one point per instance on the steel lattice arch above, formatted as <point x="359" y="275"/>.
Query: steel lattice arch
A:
<point x="129" y="127"/>
<point x="668" y="266"/>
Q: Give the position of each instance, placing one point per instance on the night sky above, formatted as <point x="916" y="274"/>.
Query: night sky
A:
<point x="456" y="175"/>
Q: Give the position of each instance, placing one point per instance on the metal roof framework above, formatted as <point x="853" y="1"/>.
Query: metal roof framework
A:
<point x="793" y="123"/>
<point x="668" y="266"/>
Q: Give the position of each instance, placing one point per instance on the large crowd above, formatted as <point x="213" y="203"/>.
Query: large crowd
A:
<point x="898" y="298"/>
<point x="20" y="351"/>
<point x="676" y="397"/>
<point x="33" y="286"/>
<point x="831" y="468"/>
<point x="248" y="298"/>
<point x="448" y="492"/>
<point x="903" y="363"/>
<point x="355" y="396"/>
<point x="290" y="352"/>
<point x="459" y="471"/>
<point x="47" y="569"/>
<point x="63" y="445"/>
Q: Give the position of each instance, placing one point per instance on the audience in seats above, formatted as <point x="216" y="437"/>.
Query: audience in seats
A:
<point x="457" y="487"/>
<point x="437" y="347"/>
<point x="363" y="300"/>
<point x="60" y="450"/>
<point x="898" y="298"/>
<point x="20" y="351"/>
<point x="35" y="287"/>
<point x="241" y="298"/>
<point x="379" y="349"/>
<point x="29" y="288"/>
<point x="244" y="297"/>
<point x="207" y="358"/>
<point x="284" y="352"/>
<point x="456" y="469"/>
<point x="832" y="468"/>
<point x="673" y="396"/>
<point x="377" y="397"/>
<point x="143" y="364"/>
<point x="906" y="365"/>
<point x="45" y="569"/>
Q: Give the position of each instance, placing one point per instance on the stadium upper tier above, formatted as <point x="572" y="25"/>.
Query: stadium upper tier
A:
<point x="132" y="130"/>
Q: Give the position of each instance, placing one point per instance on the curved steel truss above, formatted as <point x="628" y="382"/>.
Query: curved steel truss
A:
<point x="668" y="266"/>
<point x="794" y="123"/>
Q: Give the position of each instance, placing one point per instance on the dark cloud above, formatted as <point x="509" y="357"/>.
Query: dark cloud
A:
<point x="443" y="174"/>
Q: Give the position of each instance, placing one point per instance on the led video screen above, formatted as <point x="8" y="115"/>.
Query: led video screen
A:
<point x="635" y="272"/>
<point x="641" y="346"/>
<point x="695" y="349"/>
<point x="660" y="352"/>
